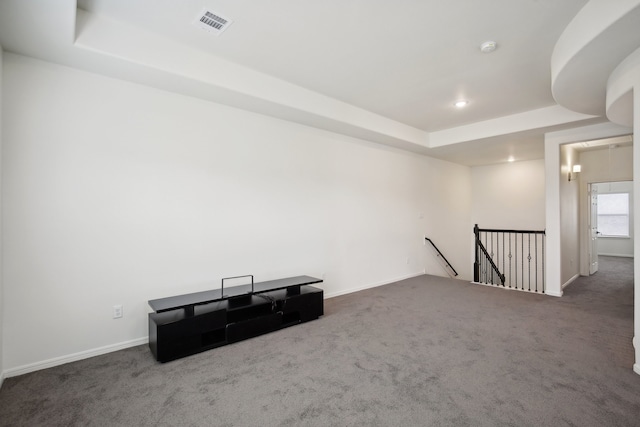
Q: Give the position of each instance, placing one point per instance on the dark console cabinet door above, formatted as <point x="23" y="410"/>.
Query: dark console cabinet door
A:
<point x="253" y="327"/>
<point x="308" y="305"/>
<point x="173" y="335"/>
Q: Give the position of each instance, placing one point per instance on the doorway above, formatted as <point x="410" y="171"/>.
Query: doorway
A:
<point x="610" y="222"/>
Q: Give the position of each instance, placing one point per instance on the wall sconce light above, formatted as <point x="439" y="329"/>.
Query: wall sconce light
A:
<point x="575" y="170"/>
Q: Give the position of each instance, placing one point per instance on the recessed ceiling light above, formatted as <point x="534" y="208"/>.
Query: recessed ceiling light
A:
<point x="488" y="46"/>
<point x="511" y="159"/>
<point x="461" y="103"/>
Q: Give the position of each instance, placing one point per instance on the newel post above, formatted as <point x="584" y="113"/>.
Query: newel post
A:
<point x="476" y="264"/>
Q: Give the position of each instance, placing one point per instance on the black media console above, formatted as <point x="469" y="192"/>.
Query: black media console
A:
<point x="187" y="324"/>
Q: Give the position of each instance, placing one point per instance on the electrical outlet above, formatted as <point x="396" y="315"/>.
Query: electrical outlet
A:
<point x="117" y="311"/>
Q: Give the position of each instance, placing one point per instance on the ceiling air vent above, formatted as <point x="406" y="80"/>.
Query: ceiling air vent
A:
<point x="212" y="22"/>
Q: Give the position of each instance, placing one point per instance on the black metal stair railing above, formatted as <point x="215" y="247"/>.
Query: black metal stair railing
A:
<point x="510" y="258"/>
<point x="484" y="266"/>
<point x="441" y="255"/>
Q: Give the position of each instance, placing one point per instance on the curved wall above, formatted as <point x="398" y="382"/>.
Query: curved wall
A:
<point x="596" y="70"/>
<point x="601" y="35"/>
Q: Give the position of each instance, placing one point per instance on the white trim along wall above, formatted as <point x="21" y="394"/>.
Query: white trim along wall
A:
<point x="1" y="257"/>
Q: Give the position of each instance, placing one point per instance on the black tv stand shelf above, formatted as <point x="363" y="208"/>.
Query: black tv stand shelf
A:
<point x="187" y="324"/>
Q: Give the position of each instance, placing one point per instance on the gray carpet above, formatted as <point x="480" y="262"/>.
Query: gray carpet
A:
<point x="424" y="351"/>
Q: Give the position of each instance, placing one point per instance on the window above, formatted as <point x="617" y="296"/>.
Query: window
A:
<point x="613" y="214"/>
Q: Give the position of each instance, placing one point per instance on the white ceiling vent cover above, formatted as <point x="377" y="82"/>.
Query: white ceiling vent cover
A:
<point x="212" y="22"/>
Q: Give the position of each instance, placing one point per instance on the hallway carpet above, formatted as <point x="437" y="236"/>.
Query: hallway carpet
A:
<point x="427" y="351"/>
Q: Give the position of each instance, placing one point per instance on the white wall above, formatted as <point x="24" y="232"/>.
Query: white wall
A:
<point x="509" y="195"/>
<point x="1" y="275"/>
<point x="636" y="207"/>
<point x="618" y="246"/>
<point x="569" y="217"/>
<point x="605" y="165"/>
<point x="117" y="193"/>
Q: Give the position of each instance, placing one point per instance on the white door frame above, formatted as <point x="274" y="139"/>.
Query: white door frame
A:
<point x="592" y="243"/>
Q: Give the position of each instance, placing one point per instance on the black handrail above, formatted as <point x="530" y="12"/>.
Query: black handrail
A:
<point x="495" y="230"/>
<point x="440" y="254"/>
<point x="488" y="257"/>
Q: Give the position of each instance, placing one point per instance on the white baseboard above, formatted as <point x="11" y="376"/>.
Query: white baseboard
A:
<point x="56" y="361"/>
<point x="37" y="366"/>
<point x="636" y="368"/>
<point x="32" y="367"/>
<point x="553" y="294"/>
<point x="371" y="285"/>
<point x="618" y="255"/>
<point x="570" y="281"/>
<point x="507" y="288"/>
